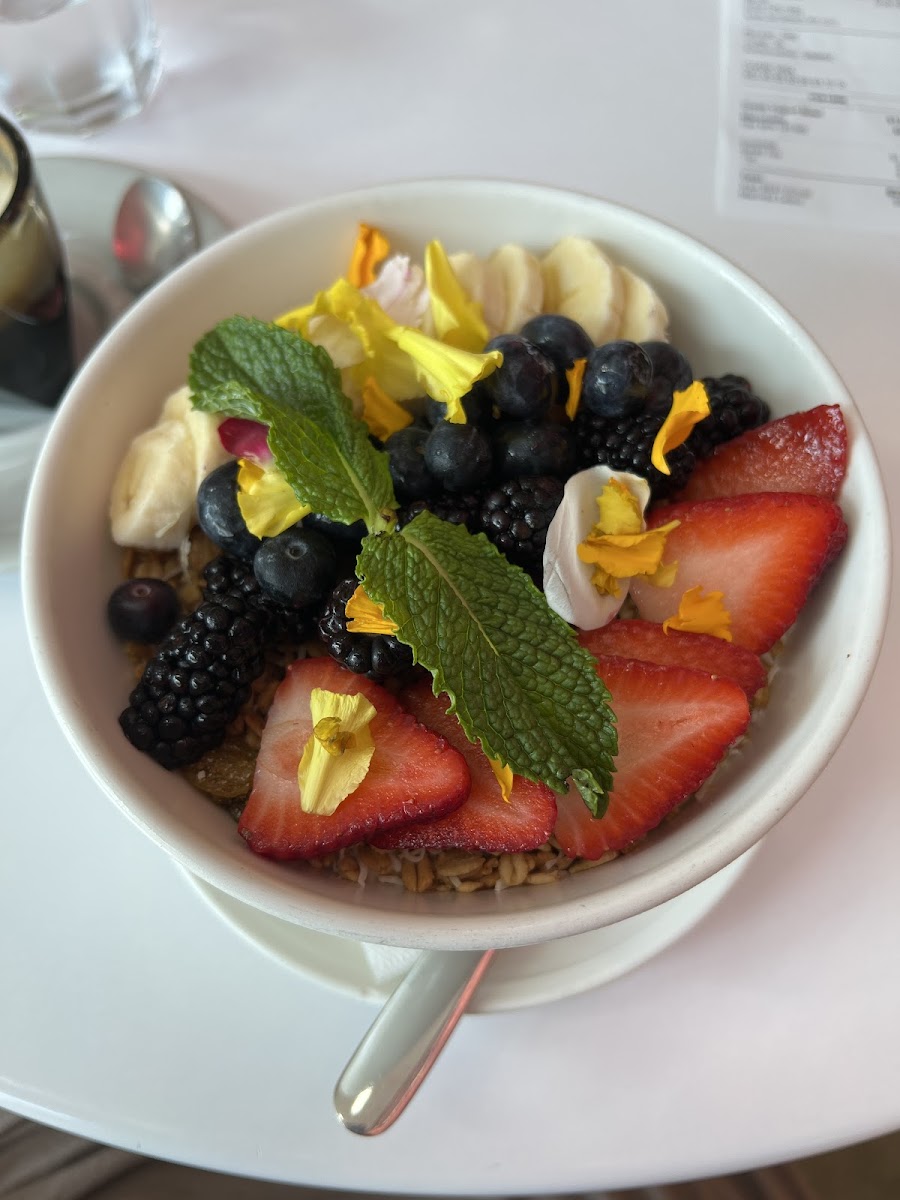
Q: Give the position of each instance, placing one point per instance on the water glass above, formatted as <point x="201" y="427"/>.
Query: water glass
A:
<point x="36" y="352"/>
<point x="72" y="66"/>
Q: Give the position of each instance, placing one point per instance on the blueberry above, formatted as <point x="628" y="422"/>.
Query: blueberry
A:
<point x="669" y="364"/>
<point x="525" y="385"/>
<point x="540" y="449"/>
<point x="477" y="405"/>
<point x="335" y="530"/>
<point x="459" y="457"/>
<point x="297" y="567"/>
<point x="219" y="516"/>
<point x="561" y="339"/>
<point x="142" y="610"/>
<point x="616" y="379"/>
<point x="406" y="460"/>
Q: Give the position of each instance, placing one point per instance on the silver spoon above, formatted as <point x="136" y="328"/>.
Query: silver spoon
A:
<point x="406" y="1037"/>
<point x="154" y="232"/>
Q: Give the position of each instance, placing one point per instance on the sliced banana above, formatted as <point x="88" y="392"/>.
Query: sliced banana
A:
<point x="514" y="278"/>
<point x="644" y="316"/>
<point x="582" y="282"/>
<point x="484" y="287"/>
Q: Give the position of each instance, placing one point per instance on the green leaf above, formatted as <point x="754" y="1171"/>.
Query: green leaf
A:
<point x="516" y="676"/>
<point x="247" y="368"/>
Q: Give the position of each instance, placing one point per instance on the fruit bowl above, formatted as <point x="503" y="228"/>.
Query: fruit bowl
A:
<point x="720" y="318"/>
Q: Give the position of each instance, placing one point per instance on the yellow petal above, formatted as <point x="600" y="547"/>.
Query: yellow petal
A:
<point x="504" y="776"/>
<point x="266" y="500"/>
<point x="458" y="319"/>
<point x="383" y="415"/>
<point x="336" y="757"/>
<point x="369" y="251"/>
<point x="575" y="378"/>
<point x="623" y="555"/>
<point x="620" y="510"/>
<point x="366" y="616"/>
<point x="444" y="372"/>
<point x="688" y="407"/>
<point x="701" y="614"/>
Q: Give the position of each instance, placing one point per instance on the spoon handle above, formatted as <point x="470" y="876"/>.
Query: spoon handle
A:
<point x="406" y="1037"/>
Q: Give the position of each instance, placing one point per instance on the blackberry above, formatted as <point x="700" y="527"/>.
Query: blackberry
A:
<point x="733" y="409"/>
<point x="194" y="686"/>
<point x="377" y="656"/>
<point x="515" y="517"/>
<point x="457" y="509"/>
<point x="626" y="443"/>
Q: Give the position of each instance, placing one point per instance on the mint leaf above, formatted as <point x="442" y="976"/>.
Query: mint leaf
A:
<point x="516" y="676"/>
<point x="247" y="368"/>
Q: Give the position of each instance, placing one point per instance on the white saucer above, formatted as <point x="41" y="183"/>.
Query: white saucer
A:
<point x="517" y="978"/>
<point x="83" y="195"/>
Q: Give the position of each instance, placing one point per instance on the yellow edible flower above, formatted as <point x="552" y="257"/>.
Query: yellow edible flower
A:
<point x="575" y="378"/>
<point x="381" y="413"/>
<point x="618" y="545"/>
<point x="701" y="614"/>
<point x="444" y="372"/>
<point x="336" y="758"/>
<point x="266" y="499"/>
<point x="458" y="319"/>
<point x="688" y="407"/>
<point x="504" y="776"/>
<point x="366" y="616"/>
<point x="369" y="252"/>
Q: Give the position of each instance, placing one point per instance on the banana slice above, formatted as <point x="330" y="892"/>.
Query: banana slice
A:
<point x="644" y="316"/>
<point x="485" y="287"/>
<point x="516" y="278"/>
<point x="583" y="283"/>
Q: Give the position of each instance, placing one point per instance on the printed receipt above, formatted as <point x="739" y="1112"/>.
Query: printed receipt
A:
<point x="810" y="119"/>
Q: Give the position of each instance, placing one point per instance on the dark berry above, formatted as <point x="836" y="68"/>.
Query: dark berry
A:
<point x="220" y="517"/>
<point x="525" y="385"/>
<point x="336" y="531"/>
<point x="669" y="364"/>
<point x="616" y="379"/>
<point x="296" y="568"/>
<point x="142" y="610"/>
<point x="406" y="460"/>
<point x="377" y="656"/>
<point x="459" y="457"/>
<point x="457" y="508"/>
<point x="561" y="339"/>
<point x="626" y="444"/>
<point x="733" y="409"/>
<point x="515" y="517"/>
<point x="541" y="449"/>
<point x="477" y="406"/>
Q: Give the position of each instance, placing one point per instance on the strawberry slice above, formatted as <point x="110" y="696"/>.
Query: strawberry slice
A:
<point x="674" y="726"/>
<point x="805" y="452"/>
<point x="414" y="774"/>
<point x="649" y="642"/>
<point x="764" y="552"/>
<point x="485" y="821"/>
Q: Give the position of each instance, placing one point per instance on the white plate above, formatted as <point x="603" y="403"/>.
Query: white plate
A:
<point x="83" y="195"/>
<point x="517" y="978"/>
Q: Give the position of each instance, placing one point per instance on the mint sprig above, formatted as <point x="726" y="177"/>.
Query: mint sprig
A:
<point x="516" y="677"/>
<point x="247" y="368"/>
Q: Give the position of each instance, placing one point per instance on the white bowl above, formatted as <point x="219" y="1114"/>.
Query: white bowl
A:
<point x="720" y="318"/>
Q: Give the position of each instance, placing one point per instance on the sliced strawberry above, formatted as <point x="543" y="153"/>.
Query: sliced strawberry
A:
<point x="764" y="552"/>
<point x="413" y="774"/>
<point x="674" y="726"/>
<point x="485" y="821"/>
<point x="649" y="642"/>
<point x="805" y="452"/>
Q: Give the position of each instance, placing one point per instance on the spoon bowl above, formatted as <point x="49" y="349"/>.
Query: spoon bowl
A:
<point x="154" y="232"/>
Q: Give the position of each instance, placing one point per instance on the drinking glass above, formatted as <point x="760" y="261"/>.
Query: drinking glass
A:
<point x="71" y="66"/>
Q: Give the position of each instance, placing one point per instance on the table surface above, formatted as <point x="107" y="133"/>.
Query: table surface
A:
<point x="130" y="1013"/>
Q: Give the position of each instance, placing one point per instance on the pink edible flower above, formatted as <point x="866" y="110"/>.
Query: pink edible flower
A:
<point x="245" y="439"/>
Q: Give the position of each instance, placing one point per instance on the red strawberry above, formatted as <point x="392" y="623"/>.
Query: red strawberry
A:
<point x="485" y="821"/>
<point x="649" y="642"/>
<point x="674" y="727"/>
<point x="805" y="452"/>
<point x="763" y="551"/>
<point x="413" y="774"/>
